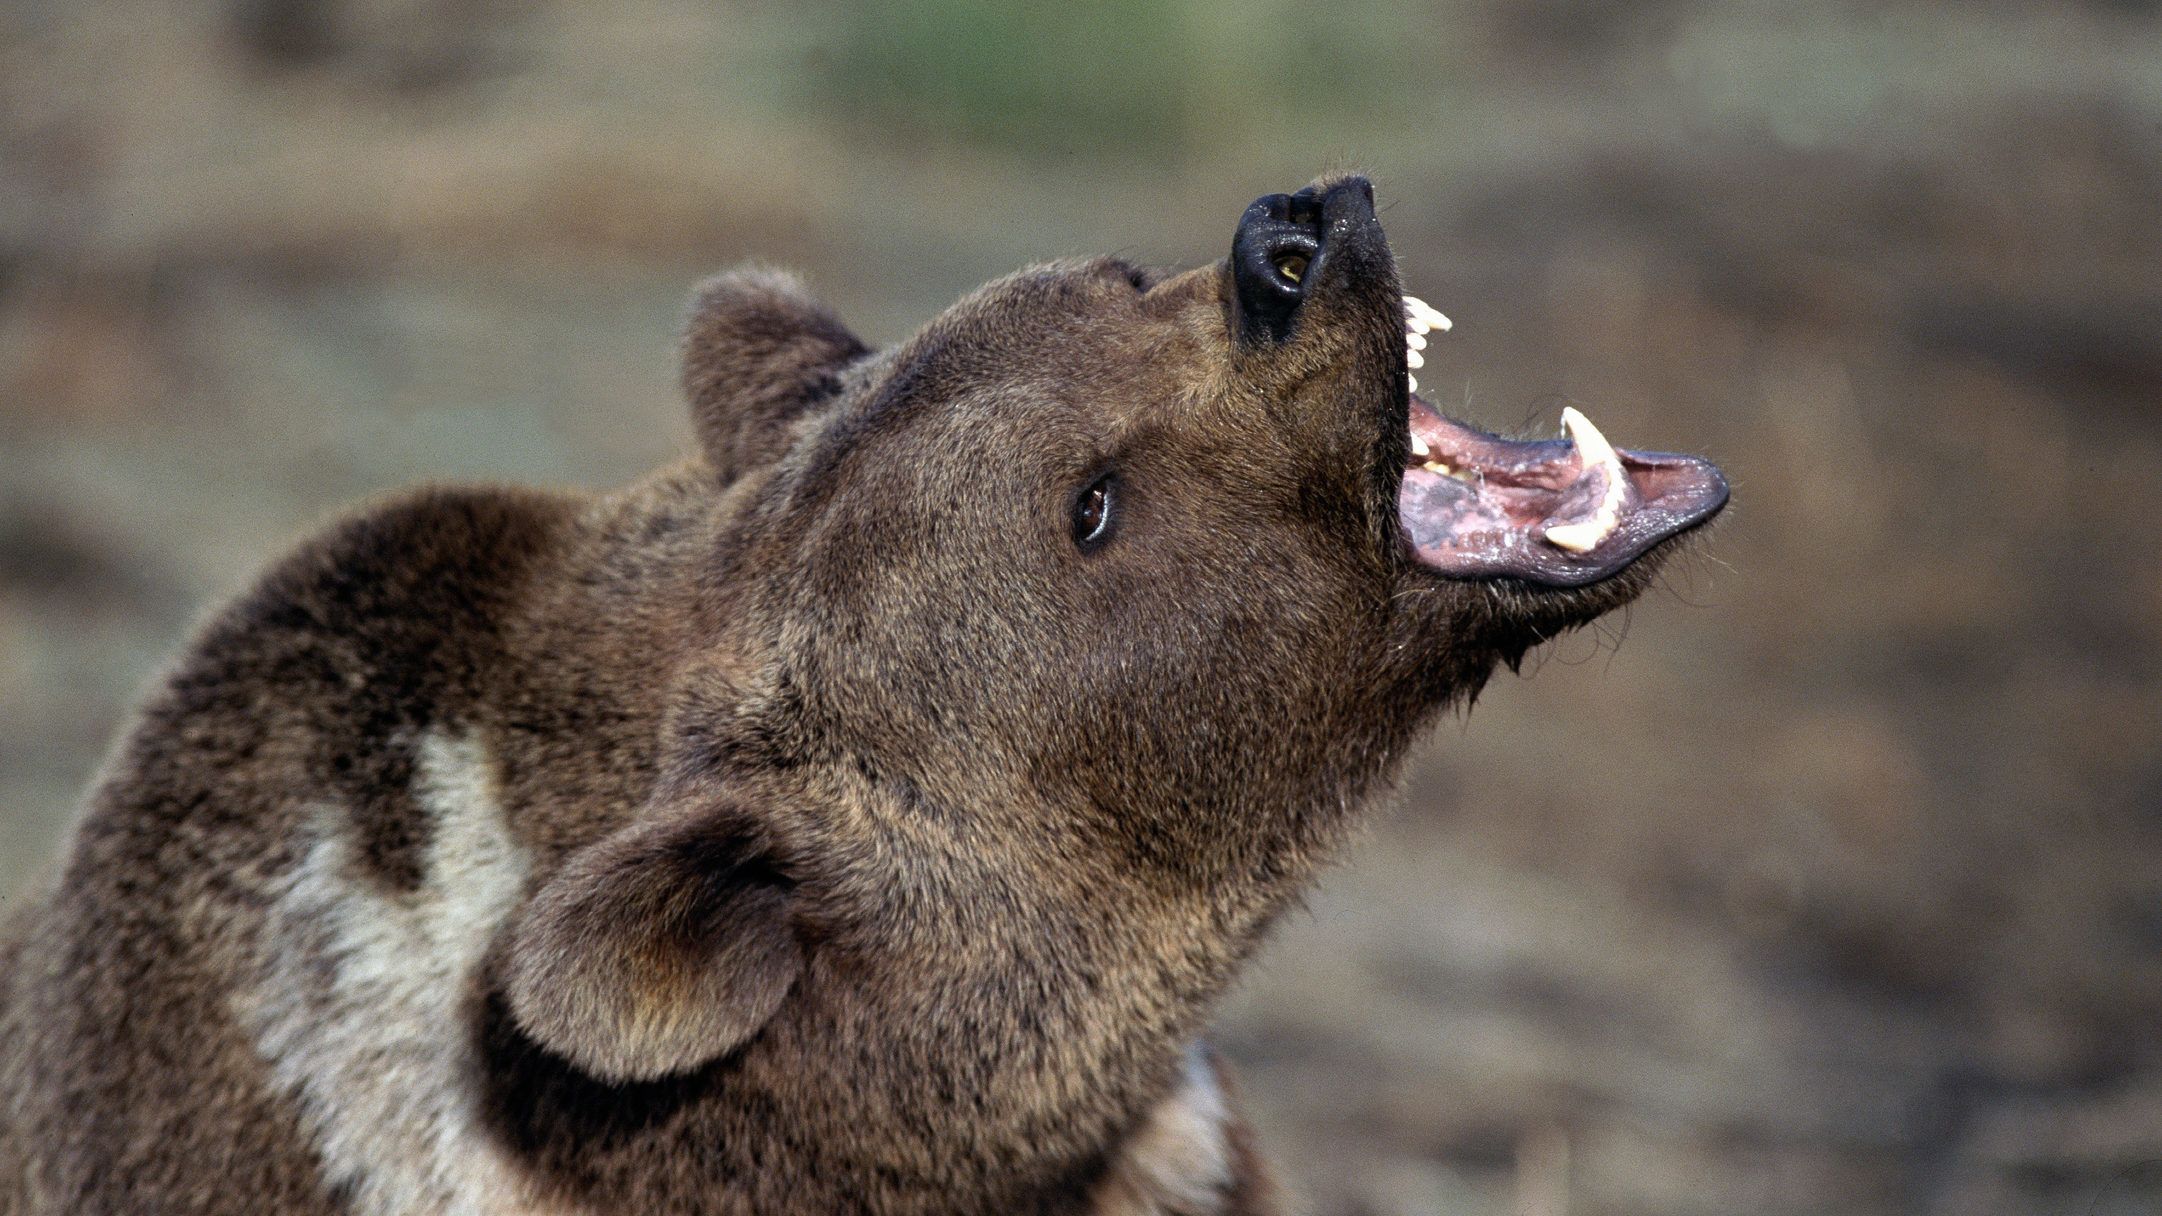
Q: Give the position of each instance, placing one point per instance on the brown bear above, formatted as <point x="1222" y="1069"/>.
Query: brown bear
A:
<point x="861" y="816"/>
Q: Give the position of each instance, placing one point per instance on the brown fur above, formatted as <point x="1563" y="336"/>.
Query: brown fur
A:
<point x="883" y="853"/>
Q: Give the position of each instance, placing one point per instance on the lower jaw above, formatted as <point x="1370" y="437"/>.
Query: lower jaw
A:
<point x="1559" y="513"/>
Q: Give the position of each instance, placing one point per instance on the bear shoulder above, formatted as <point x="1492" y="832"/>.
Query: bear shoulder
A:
<point x="312" y="684"/>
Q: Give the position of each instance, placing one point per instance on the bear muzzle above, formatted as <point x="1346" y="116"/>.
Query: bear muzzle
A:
<point x="1556" y="513"/>
<point x="1286" y="245"/>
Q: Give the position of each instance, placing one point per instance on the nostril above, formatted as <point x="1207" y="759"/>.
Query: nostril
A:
<point x="1272" y="260"/>
<point x="1304" y="208"/>
<point x="1288" y="254"/>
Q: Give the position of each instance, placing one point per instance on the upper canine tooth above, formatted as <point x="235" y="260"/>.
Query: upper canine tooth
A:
<point x="1418" y="447"/>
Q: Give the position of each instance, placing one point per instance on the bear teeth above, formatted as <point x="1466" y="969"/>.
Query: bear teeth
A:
<point x="1423" y="317"/>
<point x="1593" y="450"/>
<point x="1420" y="319"/>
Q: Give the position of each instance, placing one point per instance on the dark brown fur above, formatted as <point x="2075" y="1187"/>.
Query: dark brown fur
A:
<point x="887" y="854"/>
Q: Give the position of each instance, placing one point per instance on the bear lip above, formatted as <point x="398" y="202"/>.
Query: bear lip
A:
<point x="1549" y="512"/>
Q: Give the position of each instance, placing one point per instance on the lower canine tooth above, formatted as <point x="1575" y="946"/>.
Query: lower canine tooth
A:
<point x="1590" y="444"/>
<point x="1592" y="450"/>
<point x="1578" y="538"/>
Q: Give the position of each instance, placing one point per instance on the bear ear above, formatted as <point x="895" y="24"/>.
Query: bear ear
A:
<point x="757" y="351"/>
<point x="657" y="949"/>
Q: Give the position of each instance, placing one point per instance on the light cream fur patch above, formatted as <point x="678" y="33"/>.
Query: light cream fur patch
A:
<point x="359" y="1009"/>
<point x="1179" y="1162"/>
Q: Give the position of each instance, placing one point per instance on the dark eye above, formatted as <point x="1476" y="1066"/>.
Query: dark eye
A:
<point x="1092" y="514"/>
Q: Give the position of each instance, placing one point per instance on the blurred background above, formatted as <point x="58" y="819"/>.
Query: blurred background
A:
<point x="1828" y="880"/>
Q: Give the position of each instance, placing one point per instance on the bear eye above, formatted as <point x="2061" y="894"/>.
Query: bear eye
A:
<point x="1092" y="515"/>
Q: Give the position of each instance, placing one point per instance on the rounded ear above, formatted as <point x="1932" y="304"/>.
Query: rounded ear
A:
<point x="757" y="351"/>
<point x="656" y="949"/>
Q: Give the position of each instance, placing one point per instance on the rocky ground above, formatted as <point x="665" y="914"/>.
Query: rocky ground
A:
<point x="1827" y="881"/>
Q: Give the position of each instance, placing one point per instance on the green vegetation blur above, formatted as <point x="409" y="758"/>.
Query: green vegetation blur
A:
<point x="1127" y="78"/>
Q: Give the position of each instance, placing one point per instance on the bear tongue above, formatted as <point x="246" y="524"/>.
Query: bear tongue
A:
<point x="1561" y="513"/>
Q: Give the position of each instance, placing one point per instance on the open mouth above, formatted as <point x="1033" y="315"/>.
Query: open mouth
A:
<point x="1558" y="512"/>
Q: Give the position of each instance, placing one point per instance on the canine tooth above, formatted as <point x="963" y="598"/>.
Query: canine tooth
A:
<point x="1418" y="447"/>
<point x="1577" y="538"/>
<point x="1590" y="444"/>
<point x="1592" y="449"/>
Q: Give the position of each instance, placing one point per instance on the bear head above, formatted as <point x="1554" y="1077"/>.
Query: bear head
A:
<point x="1033" y="665"/>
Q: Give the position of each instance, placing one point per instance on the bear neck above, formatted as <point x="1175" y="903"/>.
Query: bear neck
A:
<point x="977" y="1034"/>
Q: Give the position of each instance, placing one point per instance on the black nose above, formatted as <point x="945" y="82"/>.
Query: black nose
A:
<point x="1278" y="253"/>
